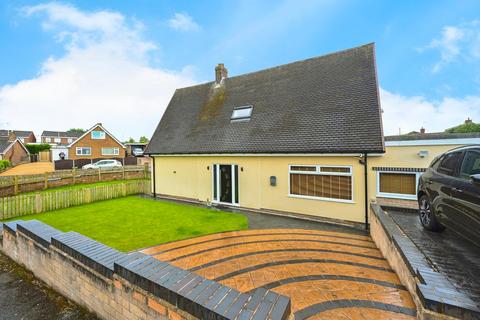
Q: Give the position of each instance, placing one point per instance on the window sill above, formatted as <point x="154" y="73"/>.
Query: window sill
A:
<point x="320" y="199"/>
<point x="226" y="203"/>
<point x="397" y="196"/>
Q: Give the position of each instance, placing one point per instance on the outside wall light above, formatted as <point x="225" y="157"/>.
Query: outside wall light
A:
<point x="422" y="153"/>
<point x="273" y="181"/>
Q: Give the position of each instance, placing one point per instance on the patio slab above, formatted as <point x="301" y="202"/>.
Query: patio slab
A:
<point x="326" y="273"/>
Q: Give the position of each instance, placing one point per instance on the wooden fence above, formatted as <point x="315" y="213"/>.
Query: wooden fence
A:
<point x="13" y="185"/>
<point x="11" y="207"/>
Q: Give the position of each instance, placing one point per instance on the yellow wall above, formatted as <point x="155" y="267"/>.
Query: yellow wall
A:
<point x="188" y="177"/>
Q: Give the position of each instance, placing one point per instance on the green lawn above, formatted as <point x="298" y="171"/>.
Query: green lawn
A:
<point x="133" y="223"/>
<point x="81" y="186"/>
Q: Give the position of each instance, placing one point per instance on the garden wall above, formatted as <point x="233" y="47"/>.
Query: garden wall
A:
<point x="121" y="286"/>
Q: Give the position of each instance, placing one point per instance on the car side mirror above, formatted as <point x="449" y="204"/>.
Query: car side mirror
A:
<point x="475" y="178"/>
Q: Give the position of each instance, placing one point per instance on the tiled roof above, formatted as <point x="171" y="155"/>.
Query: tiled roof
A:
<point x="4" y="143"/>
<point x="61" y="134"/>
<point x="432" y="136"/>
<point x="18" y="133"/>
<point x="327" y="104"/>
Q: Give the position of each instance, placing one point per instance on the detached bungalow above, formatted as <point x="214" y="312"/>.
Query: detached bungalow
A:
<point x="292" y="139"/>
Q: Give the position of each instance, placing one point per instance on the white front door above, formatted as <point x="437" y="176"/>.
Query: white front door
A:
<point x="225" y="183"/>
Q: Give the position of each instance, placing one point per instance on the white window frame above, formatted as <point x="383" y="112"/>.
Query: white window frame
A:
<point x="69" y="140"/>
<point x="57" y="140"/>
<point x="48" y="139"/>
<point x="398" y="195"/>
<point x="101" y="138"/>
<point x="318" y="172"/>
<point x="235" y="201"/>
<point x="116" y="151"/>
<point x="81" y="154"/>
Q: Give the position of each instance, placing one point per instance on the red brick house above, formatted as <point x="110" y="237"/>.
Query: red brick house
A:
<point x="22" y="135"/>
<point x="59" y="137"/>
<point x="96" y="143"/>
<point x="13" y="150"/>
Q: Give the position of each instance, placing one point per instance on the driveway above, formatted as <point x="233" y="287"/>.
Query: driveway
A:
<point x="457" y="259"/>
<point x="30" y="168"/>
<point x="326" y="273"/>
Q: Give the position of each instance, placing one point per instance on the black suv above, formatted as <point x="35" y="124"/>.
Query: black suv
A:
<point x="449" y="193"/>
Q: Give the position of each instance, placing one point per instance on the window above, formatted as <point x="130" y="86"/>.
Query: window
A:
<point x="57" y="140"/>
<point x="98" y="134"/>
<point x="402" y="185"/>
<point x="322" y="182"/>
<point x="471" y="164"/>
<point x="48" y="140"/>
<point x="242" y="113"/>
<point x="69" y="140"/>
<point x="110" y="151"/>
<point x="449" y="163"/>
<point x="84" y="151"/>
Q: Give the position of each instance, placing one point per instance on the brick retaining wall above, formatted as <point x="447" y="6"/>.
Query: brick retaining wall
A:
<point x="120" y="286"/>
<point x="434" y="296"/>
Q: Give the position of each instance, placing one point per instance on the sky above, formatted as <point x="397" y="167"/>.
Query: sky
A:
<point x="73" y="64"/>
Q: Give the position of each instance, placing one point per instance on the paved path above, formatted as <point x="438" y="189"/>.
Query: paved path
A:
<point x="30" y="168"/>
<point x="453" y="256"/>
<point x="327" y="274"/>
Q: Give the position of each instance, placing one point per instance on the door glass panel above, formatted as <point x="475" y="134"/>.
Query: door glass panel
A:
<point x="449" y="163"/>
<point x="215" y="186"/>
<point x="226" y="183"/>
<point x="236" y="184"/>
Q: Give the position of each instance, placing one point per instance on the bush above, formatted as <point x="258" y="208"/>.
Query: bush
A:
<point x="36" y="148"/>
<point x="4" y="164"/>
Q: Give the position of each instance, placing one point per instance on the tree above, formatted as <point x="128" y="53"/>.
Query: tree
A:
<point x="76" y="130"/>
<point x="468" y="126"/>
<point x="143" y="139"/>
<point x="131" y="140"/>
<point x="36" y="148"/>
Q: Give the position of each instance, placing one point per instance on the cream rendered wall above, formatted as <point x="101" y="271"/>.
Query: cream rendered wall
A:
<point x="402" y="157"/>
<point x="187" y="176"/>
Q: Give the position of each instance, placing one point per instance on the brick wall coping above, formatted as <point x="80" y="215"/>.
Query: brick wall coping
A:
<point x="434" y="290"/>
<point x="195" y="295"/>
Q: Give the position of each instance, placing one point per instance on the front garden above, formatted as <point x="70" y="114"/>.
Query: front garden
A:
<point x="131" y="223"/>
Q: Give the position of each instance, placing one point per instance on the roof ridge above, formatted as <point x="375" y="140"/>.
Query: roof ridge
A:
<point x="284" y="65"/>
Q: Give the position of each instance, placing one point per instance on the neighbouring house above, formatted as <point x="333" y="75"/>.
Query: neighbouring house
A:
<point x="59" y="137"/>
<point x="295" y="139"/>
<point x="96" y="143"/>
<point x="396" y="173"/>
<point x="13" y="150"/>
<point x="22" y="135"/>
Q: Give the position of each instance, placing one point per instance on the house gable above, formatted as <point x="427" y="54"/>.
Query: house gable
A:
<point x="90" y="146"/>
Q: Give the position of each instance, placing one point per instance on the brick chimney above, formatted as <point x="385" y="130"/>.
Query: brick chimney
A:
<point x="11" y="136"/>
<point x="220" y="73"/>
<point x="468" y="121"/>
<point x="422" y="130"/>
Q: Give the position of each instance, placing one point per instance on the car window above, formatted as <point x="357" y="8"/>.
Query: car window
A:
<point x="100" y="163"/>
<point x="449" y="163"/>
<point x="470" y="164"/>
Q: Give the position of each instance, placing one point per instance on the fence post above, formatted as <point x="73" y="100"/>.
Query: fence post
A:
<point x="45" y="181"/>
<point x="99" y="175"/>
<point x="38" y="203"/>
<point x="15" y="185"/>
<point x="145" y="170"/>
<point x="123" y="172"/>
<point x="74" y="175"/>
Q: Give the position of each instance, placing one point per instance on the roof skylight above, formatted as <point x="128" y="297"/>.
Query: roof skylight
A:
<point x="242" y="113"/>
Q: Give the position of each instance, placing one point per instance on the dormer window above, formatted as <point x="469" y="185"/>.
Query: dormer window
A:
<point x="242" y="113"/>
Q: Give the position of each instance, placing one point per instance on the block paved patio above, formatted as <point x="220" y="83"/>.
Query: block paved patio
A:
<point x="327" y="274"/>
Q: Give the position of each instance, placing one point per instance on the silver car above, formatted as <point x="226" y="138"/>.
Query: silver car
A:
<point x="103" y="164"/>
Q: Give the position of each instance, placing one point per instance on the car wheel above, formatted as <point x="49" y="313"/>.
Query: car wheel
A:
<point x="427" y="217"/>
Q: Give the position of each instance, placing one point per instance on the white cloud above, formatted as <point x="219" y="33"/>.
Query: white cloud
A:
<point x="183" y="22"/>
<point x="455" y="42"/>
<point x="104" y="76"/>
<point x="411" y="113"/>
